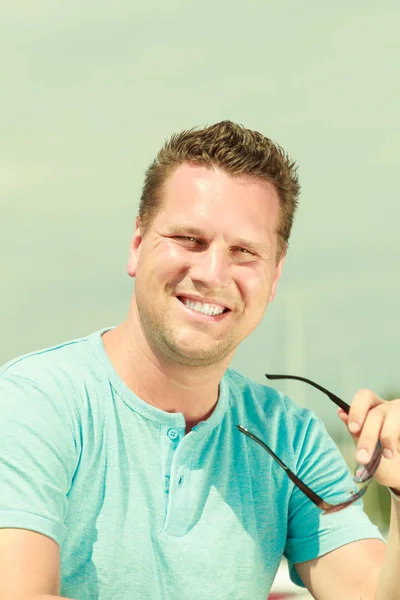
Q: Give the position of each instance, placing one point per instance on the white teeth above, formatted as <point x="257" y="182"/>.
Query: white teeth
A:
<point x="206" y="309"/>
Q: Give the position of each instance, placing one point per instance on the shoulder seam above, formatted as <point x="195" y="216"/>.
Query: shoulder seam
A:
<point x="15" y="361"/>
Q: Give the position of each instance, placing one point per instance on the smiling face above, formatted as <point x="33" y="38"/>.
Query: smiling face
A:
<point x="206" y="267"/>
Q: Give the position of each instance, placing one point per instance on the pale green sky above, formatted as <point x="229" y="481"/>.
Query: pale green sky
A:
<point x="90" y="90"/>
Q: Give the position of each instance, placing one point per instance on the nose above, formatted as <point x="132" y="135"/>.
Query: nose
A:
<point x="211" y="267"/>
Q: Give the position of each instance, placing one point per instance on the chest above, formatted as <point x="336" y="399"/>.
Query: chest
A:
<point x="152" y="508"/>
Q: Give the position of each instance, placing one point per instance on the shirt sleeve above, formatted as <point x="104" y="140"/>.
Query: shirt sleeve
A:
<point x="321" y="466"/>
<point x="38" y="456"/>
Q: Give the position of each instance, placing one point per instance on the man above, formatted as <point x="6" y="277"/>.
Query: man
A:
<point x="123" y="474"/>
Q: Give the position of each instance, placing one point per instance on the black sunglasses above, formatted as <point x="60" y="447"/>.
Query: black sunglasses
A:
<point x="363" y="473"/>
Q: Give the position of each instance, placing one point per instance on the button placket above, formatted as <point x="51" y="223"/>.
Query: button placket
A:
<point x="180" y="502"/>
<point x="172" y="437"/>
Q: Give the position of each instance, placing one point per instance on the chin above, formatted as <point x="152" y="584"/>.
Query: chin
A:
<point x="200" y="356"/>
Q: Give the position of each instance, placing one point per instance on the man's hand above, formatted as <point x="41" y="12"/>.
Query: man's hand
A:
<point x="371" y="418"/>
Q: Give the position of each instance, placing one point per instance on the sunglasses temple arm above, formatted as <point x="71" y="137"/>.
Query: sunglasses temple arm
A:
<point x="338" y="401"/>
<point x="298" y="482"/>
<point x="371" y="467"/>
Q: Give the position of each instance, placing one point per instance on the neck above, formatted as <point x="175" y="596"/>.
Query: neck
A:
<point x="172" y="387"/>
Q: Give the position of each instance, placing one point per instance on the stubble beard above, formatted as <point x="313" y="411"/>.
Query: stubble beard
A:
<point x="164" y="340"/>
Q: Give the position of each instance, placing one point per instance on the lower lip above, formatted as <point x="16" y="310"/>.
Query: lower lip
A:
<point x="202" y="316"/>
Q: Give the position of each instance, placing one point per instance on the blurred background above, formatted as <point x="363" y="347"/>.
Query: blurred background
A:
<point x="90" y="91"/>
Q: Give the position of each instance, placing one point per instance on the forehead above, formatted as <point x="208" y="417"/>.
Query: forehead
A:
<point x="199" y="193"/>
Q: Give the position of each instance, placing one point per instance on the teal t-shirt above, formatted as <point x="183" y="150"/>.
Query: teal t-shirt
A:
<point x="142" y="511"/>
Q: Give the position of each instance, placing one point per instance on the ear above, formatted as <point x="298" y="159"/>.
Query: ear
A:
<point x="134" y="250"/>
<point x="278" y="272"/>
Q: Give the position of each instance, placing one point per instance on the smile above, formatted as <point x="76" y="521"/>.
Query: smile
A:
<point x="211" y="310"/>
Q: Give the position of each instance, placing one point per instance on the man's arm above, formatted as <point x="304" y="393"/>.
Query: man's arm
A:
<point x="350" y="572"/>
<point x="366" y="569"/>
<point x="29" y="565"/>
<point x="389" y="578"/>
<point x="38" y="456"/>
<point x="362" y="570"/>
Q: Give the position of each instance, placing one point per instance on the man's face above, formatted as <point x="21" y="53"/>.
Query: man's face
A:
<point x="206" y="267"/>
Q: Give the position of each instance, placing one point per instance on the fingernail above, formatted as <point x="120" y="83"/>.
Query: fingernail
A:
<point x="387" y="453"/>
<point x="362" y="455"/>
<point x="353" y="426"/>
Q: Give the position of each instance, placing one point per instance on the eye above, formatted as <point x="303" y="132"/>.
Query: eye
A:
<point x="189" y="242"/>
<point x="244" y="251"/>
<point x="186" y="238"/>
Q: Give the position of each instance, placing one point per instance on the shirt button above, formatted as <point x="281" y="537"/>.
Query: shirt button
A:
<point x="173" y="434"/>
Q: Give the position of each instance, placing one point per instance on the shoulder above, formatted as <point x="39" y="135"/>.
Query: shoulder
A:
<point x="60" y="361"/>
<point x="271" y="412"/>
<point x="264" y="400"/>
<point x="53" y="377"/>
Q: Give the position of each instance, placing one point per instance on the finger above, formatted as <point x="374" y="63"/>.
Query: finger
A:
<point x="370" y="433"/>
<point x="362" y="403"/>
<point x="344" y="417"/>
<point x="390" y="433"/>
<point x="342" y="414"/>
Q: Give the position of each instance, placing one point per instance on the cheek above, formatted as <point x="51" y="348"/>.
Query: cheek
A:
<point x="255" y="287"/>
<point x="167" y="265"/>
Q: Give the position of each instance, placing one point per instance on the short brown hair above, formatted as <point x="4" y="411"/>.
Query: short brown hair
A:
<point x="237" y="151"/>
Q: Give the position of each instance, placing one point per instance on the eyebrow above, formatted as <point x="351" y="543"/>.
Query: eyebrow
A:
<point x="257" y="247"/>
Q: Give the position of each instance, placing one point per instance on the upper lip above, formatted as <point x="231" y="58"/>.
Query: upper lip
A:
<point x="203" y="300"/>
